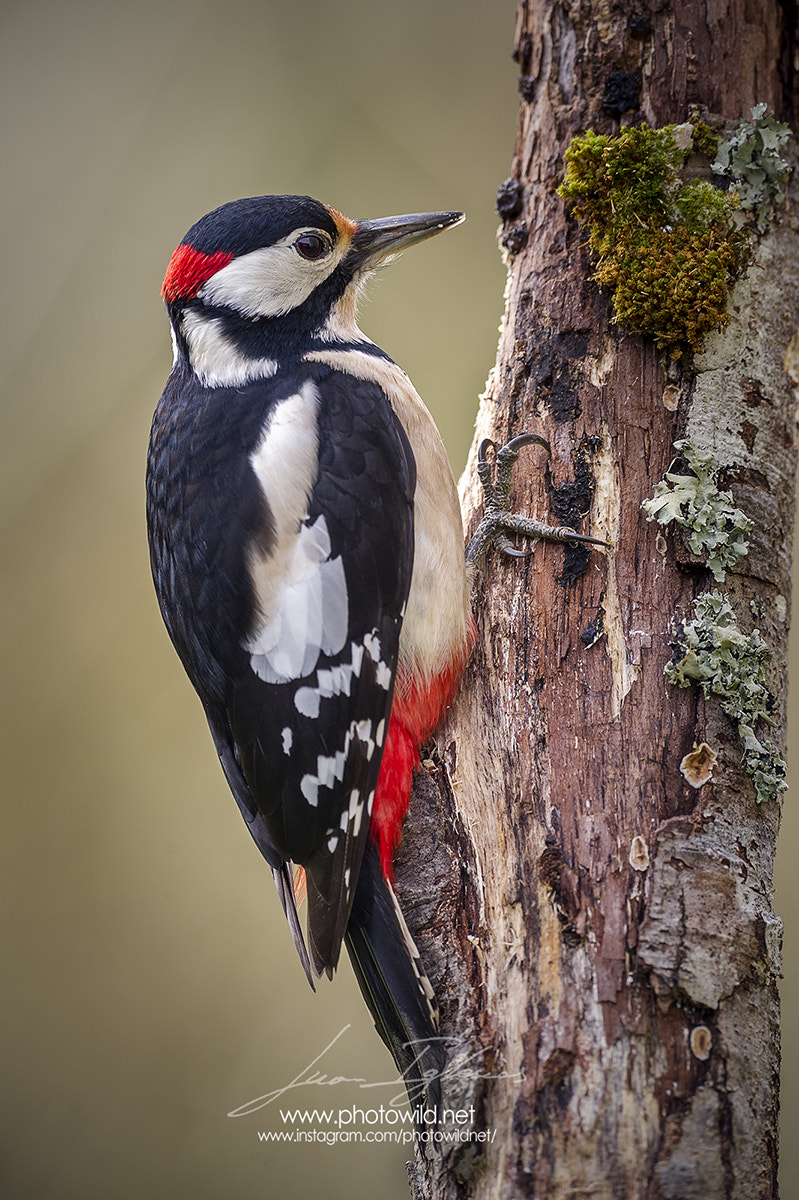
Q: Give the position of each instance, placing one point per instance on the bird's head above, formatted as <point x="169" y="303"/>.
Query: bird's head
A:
<point x="262" y="279"/>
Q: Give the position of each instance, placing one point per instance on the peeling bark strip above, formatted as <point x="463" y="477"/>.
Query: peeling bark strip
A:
<point x="588" y="871"/>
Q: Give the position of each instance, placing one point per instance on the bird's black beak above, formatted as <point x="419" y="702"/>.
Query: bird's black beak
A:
<point x="376" y="241"/>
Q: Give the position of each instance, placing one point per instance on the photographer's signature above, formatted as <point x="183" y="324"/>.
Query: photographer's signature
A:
<point x="310" y="1076"/>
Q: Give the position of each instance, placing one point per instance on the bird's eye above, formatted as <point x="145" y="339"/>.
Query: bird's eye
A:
<point x="312" y="246"/>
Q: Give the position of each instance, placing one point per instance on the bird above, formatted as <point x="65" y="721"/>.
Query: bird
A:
<point x="307" y="550"/>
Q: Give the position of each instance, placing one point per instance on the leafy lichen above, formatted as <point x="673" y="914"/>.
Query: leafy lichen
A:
<point x="668" y="249"/>
<point x="752" y="158"/>
<point x="715" y="526"/>
<point x="729" y="665"/>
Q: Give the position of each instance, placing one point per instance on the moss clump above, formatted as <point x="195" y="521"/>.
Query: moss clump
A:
<point x="705" y="141"/>
<point x="669" y="250"/>
<point x="714" y="525"/>
<point x="730" y="665"/>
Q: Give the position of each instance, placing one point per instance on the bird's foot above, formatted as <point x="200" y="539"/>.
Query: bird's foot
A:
<point x="498" y="521"/>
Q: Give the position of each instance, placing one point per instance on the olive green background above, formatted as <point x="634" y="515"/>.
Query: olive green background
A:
<point x="149" y="985"/>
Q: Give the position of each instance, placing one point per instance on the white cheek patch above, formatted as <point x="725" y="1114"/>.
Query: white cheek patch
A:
<point x="270" y="281"/>
<point x="216" y="360"/>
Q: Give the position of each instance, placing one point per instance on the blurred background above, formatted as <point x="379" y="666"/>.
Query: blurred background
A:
<point x="150" y="986"/>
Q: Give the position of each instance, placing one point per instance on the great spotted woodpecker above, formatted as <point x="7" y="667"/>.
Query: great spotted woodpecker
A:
<point x="307" y="551"/>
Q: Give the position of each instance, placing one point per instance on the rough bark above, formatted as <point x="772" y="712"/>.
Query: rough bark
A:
<point x="599" y="932"/>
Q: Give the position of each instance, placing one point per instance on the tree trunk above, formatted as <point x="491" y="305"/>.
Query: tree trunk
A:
<point x="598" y="927"/>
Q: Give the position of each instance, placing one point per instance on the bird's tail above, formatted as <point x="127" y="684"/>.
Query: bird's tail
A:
<point x="394" y="984"/>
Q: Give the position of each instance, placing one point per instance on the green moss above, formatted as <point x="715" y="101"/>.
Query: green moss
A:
<point x="729" y="665"/>
<point x="705" y="140"/>
<point x="714" y="526"/>
<point x="669" y="250"/>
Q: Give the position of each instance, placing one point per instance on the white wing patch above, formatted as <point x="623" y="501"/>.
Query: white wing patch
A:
<point x="383" y="675"/>
<point x="311" y="614"/>
<point x="330" y="771"/>
<point x="337" y="679"/>
<point x="286" y="460"/>
<point x="301" y="590"/>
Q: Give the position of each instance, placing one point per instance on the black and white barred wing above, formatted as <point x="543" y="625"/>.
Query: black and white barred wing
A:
<point x="309" y="713"/>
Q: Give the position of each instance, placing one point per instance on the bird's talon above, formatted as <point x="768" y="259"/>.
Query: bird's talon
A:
<point x="504" y="546"/>
<point x="570" y="535"/>
<point x="526" y="439"/>
<point x="495" y="479"/>
<point x="483" y="448"/>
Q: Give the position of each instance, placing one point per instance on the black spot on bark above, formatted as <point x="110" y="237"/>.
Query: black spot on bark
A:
<point x="622" y="90"/>
<point x="509" y="199"/>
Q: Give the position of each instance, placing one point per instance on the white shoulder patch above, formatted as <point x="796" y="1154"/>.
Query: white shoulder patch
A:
<point x="311" y="613"/>
<point x="286" y="460"/>
<point x="301" y="590"/>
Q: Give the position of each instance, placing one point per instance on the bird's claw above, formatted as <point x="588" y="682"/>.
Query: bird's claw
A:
<point x="508" y="549"/>
<point x="498" y="520"/>
<point x="511" y="449"/>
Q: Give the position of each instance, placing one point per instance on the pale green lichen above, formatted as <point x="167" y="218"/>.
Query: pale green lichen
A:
<point x="752" y="159"/>
<point x="729" y="665"/>
<point x="715" y="526"/>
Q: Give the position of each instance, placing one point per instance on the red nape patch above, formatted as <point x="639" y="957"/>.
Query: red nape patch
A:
<point x="188" y="270"/>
